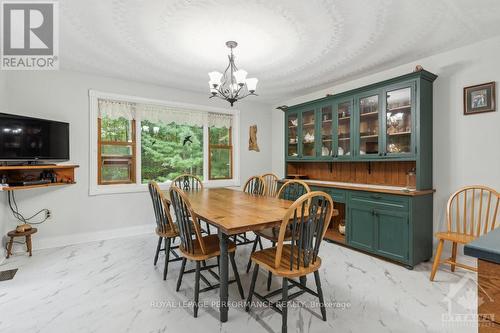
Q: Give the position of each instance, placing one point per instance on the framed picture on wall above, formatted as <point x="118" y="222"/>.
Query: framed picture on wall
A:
<point x="479" y="98"/>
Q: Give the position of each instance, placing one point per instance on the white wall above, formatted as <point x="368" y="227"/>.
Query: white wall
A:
<point x="3" y="200"/>
<point x="466" y="148"/>
<point x="63" y="95"/>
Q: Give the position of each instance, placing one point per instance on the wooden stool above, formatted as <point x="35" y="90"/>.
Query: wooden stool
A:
<point x="13" y="234"/>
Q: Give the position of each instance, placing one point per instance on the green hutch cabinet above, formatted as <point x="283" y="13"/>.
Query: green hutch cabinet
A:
<point x="388" y="122"/>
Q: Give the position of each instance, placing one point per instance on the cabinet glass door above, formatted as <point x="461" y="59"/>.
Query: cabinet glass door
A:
<point x="326" y="130"/>
<point x="398" y="121"/>
<point x="344" y="111"/>
<point x="293" y="135"/>
<point x="369" y="125"/>
<point x="308" y="134"/>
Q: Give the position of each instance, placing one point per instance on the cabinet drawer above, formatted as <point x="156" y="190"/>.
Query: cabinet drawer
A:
<point x="337" y="195"/>
<point x="380" y="200"/>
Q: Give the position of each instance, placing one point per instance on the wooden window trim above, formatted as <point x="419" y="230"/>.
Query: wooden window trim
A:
<point x="132" y="157"/>
<point x="228" y="147"/>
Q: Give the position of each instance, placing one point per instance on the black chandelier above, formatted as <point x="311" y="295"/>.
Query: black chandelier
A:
<point x="233" y="85"/>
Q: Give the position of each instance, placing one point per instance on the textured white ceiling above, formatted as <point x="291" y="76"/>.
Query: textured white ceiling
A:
<point x="292" y="46"/>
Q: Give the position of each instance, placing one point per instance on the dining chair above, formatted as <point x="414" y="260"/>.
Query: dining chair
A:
<point x="198" y="248"/>
<point x="308" y="218"/>
<point x="190" y="183"/>
<point x="271" y="181"/>
<point x="471" y="212"/>
<point x="255" y="185"/>
<point x="291" y="190"/>
<point x="165" y="227"/>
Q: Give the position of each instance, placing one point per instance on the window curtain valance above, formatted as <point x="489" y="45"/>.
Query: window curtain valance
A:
<point x="165" y="114"/>
<point x="116" y="109"/>
<point x="220" y="120"/>
<point x="160" y="113"/>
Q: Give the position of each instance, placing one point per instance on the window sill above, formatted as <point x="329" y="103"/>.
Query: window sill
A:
<point x="137" y="188"/>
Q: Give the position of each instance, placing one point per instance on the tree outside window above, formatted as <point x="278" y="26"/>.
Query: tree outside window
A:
<point x="220" y="153"/>
<point x="169" y="150"/>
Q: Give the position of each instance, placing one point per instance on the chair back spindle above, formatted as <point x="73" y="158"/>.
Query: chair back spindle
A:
<point x="293" y="189"/>
<point x="188" y="183"/>
<point x="255" y="185"/>
<point x="187" y="221"/>
<point x="473" y="210"/>
<point x="308" y="219"/>
<point x="161" y="207"/>
<point x="271" y="181"/>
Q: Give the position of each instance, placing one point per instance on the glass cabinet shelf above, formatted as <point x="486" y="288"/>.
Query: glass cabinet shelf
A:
<point x="292" y="139"/>
<point x="398" y="124"/>
<point x="326" y="129"/>
<point x="369" y="125"/>
<point x="344" y="111"/>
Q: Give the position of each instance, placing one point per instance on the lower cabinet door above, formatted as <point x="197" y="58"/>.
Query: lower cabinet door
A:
<point x="361" y="227"/>
<point x="392" y="230"/>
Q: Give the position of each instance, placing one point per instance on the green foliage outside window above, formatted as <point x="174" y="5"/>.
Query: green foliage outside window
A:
<point x="163" y="155"/>
<point x="220" y="153"/>
<point x="116" y="129"/>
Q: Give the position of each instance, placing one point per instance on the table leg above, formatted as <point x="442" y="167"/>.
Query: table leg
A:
<point x="303" y="280"/>
<point x="223" y="266"/>
<point x="28" y="240"/>
<point x="9" y="247"/>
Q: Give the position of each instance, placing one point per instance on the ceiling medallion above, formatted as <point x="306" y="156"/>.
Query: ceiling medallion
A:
<point x="233" y="85"/>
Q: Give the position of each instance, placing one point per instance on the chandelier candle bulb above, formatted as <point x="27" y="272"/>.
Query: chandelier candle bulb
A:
<point x="215" y="78"/>
<point x="240" y="76"/>
<point x="252" y="84"/>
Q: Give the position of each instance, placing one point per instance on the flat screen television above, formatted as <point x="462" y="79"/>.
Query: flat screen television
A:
<point x="26" y="139"/>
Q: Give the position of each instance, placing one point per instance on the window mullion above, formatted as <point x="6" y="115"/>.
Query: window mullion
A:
<point x="206" y="149"/>
<point x="138" y="150"/>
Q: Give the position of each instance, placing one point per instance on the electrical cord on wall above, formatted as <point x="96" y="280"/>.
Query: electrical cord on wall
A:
<point x="20" y="217"/>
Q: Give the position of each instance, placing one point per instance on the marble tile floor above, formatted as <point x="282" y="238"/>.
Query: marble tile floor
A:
<point x="112" y="286"/>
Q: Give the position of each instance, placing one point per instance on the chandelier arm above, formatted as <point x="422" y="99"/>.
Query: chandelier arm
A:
<point x="238" y="91"/>
<point x="221" y="92"/>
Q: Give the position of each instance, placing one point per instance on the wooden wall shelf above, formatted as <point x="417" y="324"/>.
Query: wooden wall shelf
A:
<point x="64" y="175"/>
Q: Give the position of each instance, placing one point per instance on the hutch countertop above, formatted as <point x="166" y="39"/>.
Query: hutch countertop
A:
<point x="368" y="187"/>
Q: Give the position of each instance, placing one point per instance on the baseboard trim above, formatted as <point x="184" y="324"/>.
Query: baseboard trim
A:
<point x="86" y="237"/>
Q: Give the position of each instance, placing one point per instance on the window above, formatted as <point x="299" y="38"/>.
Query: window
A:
<point x="220" y="153"/>
<point x="138" y="140"/>
<point x="116" y="154"/>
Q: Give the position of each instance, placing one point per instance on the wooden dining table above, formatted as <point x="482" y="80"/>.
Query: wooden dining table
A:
<point x="233" y="212"/>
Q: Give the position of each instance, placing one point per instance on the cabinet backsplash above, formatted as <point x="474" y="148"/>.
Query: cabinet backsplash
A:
<point x="392" y="173"/>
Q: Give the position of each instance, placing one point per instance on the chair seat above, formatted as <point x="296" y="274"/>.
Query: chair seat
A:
<point x="273" y="233"/>
<point x="265" y="258"/>
<point x="168" y="233"/>
<point x="212" y="248"/>
<point x="455" y="237"/>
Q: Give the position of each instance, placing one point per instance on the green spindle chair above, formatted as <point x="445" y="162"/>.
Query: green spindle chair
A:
<point x="308" y="219"/>
<point x="291" y="190"/>
<point x="198" y="248"/>
<point x="165" y="227"/>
